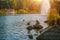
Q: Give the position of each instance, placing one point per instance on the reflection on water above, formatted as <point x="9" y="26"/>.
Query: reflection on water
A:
<point x="14" y="28"/>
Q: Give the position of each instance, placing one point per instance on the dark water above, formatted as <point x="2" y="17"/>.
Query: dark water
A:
<point x="2" y="28"/>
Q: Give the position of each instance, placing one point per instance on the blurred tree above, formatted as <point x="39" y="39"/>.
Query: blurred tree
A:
<point x="26" y="5"/>
<point x="53" y="16"/>
<point x="57" y="6"/>
<point x="54" y="12"/>
<point x="5" y="4"/>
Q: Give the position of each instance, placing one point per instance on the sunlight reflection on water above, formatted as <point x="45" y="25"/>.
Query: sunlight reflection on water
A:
<point x="19" y="32"/>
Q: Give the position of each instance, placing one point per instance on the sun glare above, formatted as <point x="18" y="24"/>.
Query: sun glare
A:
<point x="38" y="0"/>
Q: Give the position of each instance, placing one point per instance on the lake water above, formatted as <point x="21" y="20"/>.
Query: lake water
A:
<point x="14" y="28"/>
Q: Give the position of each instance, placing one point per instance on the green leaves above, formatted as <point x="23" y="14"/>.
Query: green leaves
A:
<point x="2" y="13"/>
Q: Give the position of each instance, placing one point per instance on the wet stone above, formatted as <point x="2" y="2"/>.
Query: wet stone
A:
<point x="30" y="36"/>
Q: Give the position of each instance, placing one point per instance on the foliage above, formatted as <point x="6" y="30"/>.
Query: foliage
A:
<point x="57" y="6"/>
<point x="5" y="4"/>
<point x="2" y="13"/>
<point x="53" y="16"/>
<point x="21" y="11"/>
<point x="26" y="5"/>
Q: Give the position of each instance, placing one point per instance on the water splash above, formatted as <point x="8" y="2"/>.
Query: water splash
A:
<point x="45" y="7"/>
<point x="44" y="14"/>
<point x="45" y="10"/>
